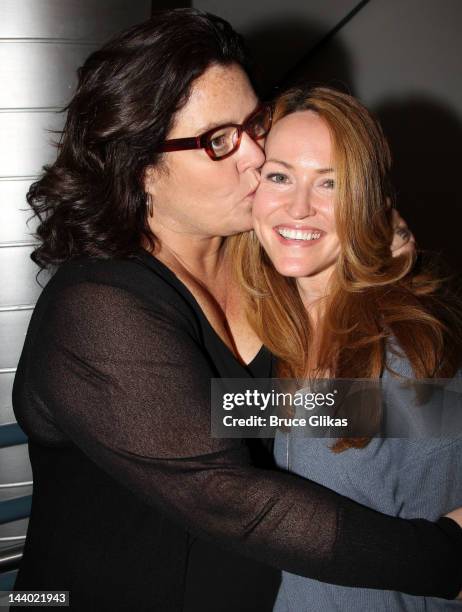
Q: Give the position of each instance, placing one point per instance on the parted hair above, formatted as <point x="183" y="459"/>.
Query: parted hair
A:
<point x="91" y="200"/>
<point x="372" y="296"/>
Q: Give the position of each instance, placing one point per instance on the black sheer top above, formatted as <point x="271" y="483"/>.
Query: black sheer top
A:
<point x="135" y="506"/>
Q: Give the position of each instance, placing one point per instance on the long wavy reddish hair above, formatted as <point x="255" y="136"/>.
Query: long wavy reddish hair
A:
<point x="372" y="295"/>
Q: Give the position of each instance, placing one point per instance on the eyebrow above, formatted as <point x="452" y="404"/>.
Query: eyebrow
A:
<point x="218" y="124"/>
<point x="289" y="167"/>
<point x="211" y="126"/>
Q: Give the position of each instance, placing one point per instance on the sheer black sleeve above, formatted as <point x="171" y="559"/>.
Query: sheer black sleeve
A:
<point x="128" y="384"/>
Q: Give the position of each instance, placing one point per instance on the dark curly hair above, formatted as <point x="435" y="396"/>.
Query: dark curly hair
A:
<point x="91" y="200"/>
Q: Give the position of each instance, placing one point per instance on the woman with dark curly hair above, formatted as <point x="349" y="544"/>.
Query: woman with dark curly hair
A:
<point x="135" y="506"/>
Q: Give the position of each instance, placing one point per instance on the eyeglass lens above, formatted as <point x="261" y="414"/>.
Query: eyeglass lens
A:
<point x="224" y="140"/>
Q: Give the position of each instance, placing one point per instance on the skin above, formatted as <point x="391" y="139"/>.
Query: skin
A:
<point x="198" y="202"/>
<point x="297" y="193"/>
<point x="294" y="193"/>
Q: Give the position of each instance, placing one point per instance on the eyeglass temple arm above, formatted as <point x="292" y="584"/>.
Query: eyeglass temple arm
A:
<point x="180" y="144"/>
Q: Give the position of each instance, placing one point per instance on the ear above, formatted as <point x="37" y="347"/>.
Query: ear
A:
<point x="149" y="180"/>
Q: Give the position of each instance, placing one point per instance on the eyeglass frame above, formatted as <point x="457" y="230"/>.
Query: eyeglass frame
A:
<point x="200" y="142"/>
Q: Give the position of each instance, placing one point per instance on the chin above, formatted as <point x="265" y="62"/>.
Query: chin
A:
<point x="243" y="223"/>
<point x="238" y="226"/>
<point x="293" y="269"/>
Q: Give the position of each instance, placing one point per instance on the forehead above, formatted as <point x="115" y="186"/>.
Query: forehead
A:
<point x="223" y="94"/>
<point x="301" y="136"/>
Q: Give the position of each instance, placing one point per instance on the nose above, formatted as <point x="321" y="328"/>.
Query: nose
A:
<point x="250" y="154"/>
<point x="301" y="204"/>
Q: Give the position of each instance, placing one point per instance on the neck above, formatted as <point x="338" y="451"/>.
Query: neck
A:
<point x="313" y="290"/>
<point x="200" y="256"/>
<point x="203" y="265"/>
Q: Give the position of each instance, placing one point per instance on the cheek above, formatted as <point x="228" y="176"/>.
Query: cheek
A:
<point x="198" y="180"/>
<point x="265" y="203"/>
<point x="257" y="209"/>
<point x="329" y="254"/>
<point x="202" y="179"/>
<point x="220" y="179"/>
<point x="334" y="249"/>
<point x="260" y="222"/>
<point x="327" y="209"/>
<point x="256" y="225"/>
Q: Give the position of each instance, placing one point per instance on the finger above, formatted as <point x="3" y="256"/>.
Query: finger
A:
<point x="397" y="220"/>
<point x="403" y="232"/>
<point x="403" y="242"/>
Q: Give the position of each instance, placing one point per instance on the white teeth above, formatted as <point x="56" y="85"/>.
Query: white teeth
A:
<point x="293" y="234"/>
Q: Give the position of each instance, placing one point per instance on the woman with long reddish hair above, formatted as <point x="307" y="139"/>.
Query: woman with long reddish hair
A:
<point x="328" y="299"/>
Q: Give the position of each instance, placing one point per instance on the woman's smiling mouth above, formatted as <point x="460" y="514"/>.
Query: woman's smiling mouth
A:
<point x="303" y="236"/>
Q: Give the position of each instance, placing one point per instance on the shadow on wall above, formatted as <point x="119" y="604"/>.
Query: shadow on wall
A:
<point x="423" y="132"/>
<point x="425" y="137"/>
<point x="283" y="51"/>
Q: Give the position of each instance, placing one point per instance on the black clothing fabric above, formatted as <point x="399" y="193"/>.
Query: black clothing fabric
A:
<point x="136" y="507"/>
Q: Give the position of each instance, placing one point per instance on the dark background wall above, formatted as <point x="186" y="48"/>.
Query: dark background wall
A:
<point x="402" y="58"/>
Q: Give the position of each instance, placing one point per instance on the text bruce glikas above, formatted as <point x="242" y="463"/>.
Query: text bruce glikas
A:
<point x="263" y="401"/>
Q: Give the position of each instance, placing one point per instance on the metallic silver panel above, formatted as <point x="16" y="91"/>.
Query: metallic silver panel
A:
<point x="14" y="467"/>
<point x="70" y="18"/>
<point x="12" y="492"/>
<point x="25" y="145"/>
<point x="14" y="213"/>
<point x="17" y="273"/>
<point x="39" y="74"/>
<point x="13" y="327"/>
<point x="12" y="530"/>
<point x="35" y="75"/>
<point x="6" y="409"/>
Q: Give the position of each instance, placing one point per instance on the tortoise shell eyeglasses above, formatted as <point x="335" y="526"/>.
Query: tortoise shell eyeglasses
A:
<point x="222" y="141"/>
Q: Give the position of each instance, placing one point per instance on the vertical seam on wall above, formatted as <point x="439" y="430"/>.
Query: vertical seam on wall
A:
<point x="324" y="40"/>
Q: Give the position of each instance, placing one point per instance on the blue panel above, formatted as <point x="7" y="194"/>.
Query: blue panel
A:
<point x="14" y="509"/>
<point x="7" y="580"/>
<point x="11" y="434"/>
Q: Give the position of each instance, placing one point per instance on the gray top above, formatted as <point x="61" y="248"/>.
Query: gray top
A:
<point x="405" y="477"/>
